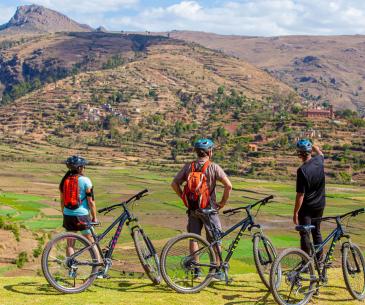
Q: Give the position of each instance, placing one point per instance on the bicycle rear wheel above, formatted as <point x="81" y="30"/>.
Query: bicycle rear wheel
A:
<point x="68" y="263"/>
<point x="264" y="254"/>
<point x="147" y="255"/>
<point x="353" y="268"/>
<point x="187" y="263"/>
<point x="297" y="281"/>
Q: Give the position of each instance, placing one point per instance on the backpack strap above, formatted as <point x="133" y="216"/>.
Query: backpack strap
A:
<point x="205" y="166"/>
<point x="192" y="167"/>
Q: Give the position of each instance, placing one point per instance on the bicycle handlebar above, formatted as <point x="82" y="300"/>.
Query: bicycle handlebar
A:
<point x="136" y="197"/>
<point x="351" y="214"/>
<point x="262" y="201"/>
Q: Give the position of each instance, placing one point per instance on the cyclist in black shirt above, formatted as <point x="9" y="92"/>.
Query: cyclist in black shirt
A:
<point x="310" y="200"/>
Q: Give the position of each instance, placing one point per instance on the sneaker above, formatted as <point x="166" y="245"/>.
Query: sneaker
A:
<point x="101" y="274"/>
<point x="219" y="276"/>
<point x="197" y="273"/>
<point x="72" y="273"/>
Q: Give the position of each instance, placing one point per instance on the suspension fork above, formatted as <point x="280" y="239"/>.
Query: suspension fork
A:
<point x="348" y="244"/>
<point x="260" y="234"/>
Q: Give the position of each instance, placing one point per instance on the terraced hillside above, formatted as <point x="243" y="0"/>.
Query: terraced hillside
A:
<point x="319" y="67"/>
<point x="151" y="108"/>
<point x="28" y="62"/>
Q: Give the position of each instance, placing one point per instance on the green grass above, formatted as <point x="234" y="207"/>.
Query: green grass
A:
<point x="161" y="213"/>
<point x="244" y="290"/>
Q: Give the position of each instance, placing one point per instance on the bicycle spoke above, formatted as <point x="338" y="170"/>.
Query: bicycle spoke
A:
<point x="62" y="270"/>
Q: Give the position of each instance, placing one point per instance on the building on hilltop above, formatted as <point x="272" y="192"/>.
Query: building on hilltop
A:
<point x="252" y="147"/>
<point x="320" y="113"/>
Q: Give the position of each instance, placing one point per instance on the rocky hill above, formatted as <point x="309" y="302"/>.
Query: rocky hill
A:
<point x="27" y="63"/>
<point x="38" y="19"/>
<point x="320" y="68"/>
<point x="149" y="109"/>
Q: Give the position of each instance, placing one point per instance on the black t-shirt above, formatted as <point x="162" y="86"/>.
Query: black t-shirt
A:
<point x="311" y="182"/>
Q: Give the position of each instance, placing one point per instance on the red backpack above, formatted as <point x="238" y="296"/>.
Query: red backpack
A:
<point x="196" y="193"/>
<point x="70" y="193"/>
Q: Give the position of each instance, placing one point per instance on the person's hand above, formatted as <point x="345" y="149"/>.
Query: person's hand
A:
<point x="295" y="218"/>
<point x="220" y="206"/>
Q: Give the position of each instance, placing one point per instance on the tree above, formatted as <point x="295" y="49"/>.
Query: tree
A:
<point x="296" y="108"/>
<point x="174" y="154"/>
<point x="220" y="90"/>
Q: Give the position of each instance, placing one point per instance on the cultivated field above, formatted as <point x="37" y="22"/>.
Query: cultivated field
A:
<point x="29" y="197"/>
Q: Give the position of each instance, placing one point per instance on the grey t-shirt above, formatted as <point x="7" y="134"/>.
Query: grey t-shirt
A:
<point x="214" y="172"/>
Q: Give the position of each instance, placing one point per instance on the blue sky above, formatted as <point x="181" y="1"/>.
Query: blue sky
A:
<point x="245" y="17"/>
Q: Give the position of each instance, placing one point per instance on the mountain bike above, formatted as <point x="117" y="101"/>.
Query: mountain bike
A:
<point x="188" y="262"/>
<point x="76" y="272"/>
<point x="303" y="274"/>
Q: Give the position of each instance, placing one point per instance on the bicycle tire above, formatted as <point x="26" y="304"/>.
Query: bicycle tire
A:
<point x="146" y="251"/>
<point x="274" y="270"/>
<point x="346" y="253"/>
<point x="258" y="257"/>
<point x="45" y="261"/>
<point x="165" y="254"/>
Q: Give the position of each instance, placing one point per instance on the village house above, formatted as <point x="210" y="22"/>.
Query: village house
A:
<point x="319" y="113"/>
<point x="252" y="147"/>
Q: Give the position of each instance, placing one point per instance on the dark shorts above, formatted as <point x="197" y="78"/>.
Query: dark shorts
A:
<point x="197" y="220"/>
<point x="77" y="223"/>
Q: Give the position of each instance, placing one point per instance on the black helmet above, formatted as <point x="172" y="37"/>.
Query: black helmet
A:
<point x="74" y="162"/>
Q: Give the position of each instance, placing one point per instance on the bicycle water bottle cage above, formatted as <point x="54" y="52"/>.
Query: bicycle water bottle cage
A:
<point x="304" y="228"/>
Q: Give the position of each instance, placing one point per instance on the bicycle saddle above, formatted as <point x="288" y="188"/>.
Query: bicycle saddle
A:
<point x="304" y="228"/>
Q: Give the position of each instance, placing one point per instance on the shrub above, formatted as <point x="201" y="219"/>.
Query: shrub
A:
<point x="22" y="259"/>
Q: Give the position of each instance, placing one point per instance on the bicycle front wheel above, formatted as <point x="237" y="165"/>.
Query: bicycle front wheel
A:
<point x="264" y="255"/>
<point x="353" y="268"/>
<point x="147" y="255"/>
<point x="297" y="279"/>
<point x="188" y="263"/>
<point x="69" y="263"/>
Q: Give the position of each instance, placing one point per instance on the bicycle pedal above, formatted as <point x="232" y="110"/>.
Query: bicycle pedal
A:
<point x="103" y="276"/>
<point x="229" y="281"/>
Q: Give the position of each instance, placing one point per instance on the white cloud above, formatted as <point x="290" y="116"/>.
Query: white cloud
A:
<point x="252" y="17"/>
<point x="241" y="17"/>
<point x="6" y="13"/>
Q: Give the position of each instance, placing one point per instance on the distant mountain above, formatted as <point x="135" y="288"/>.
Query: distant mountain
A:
<point x="320" y="68"/>
<point x="38" y="19"/>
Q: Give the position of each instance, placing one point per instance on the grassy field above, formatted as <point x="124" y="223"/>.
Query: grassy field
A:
<point x="29" y="196"/>
<point x="245" y="289"/>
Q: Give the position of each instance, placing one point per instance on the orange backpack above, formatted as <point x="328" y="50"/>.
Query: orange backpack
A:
<point x="70" y="193"/>
<point x="196" y="193"/>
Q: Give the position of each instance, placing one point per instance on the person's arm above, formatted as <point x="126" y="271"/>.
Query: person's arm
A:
<point x="227" y="190"/>
<point x="62" y="203"/>
<point x="300" y="189"/>
<point x="92" y="205"/>
<point x="179" y="180"/>
<point x="176" y="187"/>
<point x="298" y="203"/>
<point x="317" y="150"/>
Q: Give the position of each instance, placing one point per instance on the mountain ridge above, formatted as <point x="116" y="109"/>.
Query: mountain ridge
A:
<point x="39" y="19"/>
<point x="320" y="68"/>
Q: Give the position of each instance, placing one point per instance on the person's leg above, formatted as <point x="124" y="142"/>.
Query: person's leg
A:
<point x="211" y="224"/>
<point x="304" y="219"/>
<point x="194" y="225"/>
<point x="316" y="233"/>
<point x="68" y="224"/>
<point x="70" y="247"/>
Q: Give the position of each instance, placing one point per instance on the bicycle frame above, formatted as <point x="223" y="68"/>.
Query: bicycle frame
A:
<point x="335" y="236"/>
<point x="126" y="216"/>
<point x="246" y="223"/>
